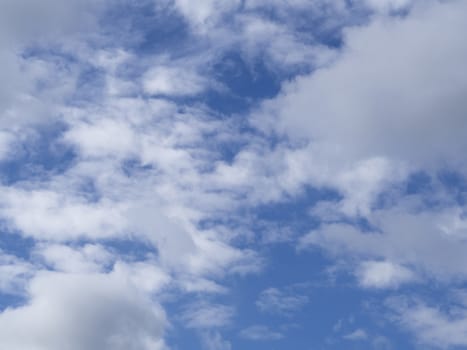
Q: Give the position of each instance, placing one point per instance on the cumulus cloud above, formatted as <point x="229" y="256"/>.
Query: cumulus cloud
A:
<point x="403" y="236"/>
<point x="103" y="138"/>
<point x="175" y="178"/>
<point x="76" y="311"/>
<point x="14" y="274"/>
<point x="35" y="87"/>
<point x="385" y="106"/>
<point x="52" y="215"/>
<point x="361" y="142"/>
<point x="89" y="258"/>
<point x="382" y="274"/>
<point x="432" y="325"/>
<point x="173" y="81"/>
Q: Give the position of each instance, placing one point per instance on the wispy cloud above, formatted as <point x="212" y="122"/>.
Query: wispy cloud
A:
<point x="285" y="301"/>
<point x="260" y="332"/>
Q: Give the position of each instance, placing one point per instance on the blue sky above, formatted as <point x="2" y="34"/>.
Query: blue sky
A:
<point x="233" y="174"/>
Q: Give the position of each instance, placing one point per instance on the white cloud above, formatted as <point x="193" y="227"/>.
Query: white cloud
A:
<point x="362" y="183"/>
<point x="102" y="138"/>
<point x="391" y="102"/>
<point x="188" y="250"/>
<point x="198" y="285"/>
<point x="223" y="26"/>
<point x="14" y="274"/>
<point x="205" y="12"/>
<point x="260" y="332"/>
<point x="358" y="334"/>
<point x="383" y="274"/>
<point x="432" y="325"/>
<point x="214" y="341"/>
<point x="160" y="204"/>
<point x="89" y="258"/>
<point x="83" y="311"/>
<point x="203" y="315"/>
<point x="23" y="105"/>
<point x="288" y="49"/>
<point x="173" y="81"/>
<point x="358" y="141"/>
<point x="281" y="301"/>
<point x="405" y="235"/>
<point x="148" y="276"/>
<point x="34" y="87"/>
<point x="55" y="216"/>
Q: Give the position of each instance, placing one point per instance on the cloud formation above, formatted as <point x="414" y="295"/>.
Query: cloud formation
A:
<point x="147" y="147"/>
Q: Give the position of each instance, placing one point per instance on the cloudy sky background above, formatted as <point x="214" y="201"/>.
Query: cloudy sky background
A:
<point x="233" y="174"/>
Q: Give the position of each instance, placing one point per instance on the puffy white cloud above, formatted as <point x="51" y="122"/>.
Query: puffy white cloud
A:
<point x="60" y="217"/>
<point x="83" y="311"/>
<point x="14" y="274"/>
<point x="432" y="325"/>
<point x="23" y="105"/>
<point x="383" y="274"/>
<point x="102" y="138"/>
<point x="89" y="258"/>
<point x="391" y="102"/>
<point x="188" y="250"/>
<point x="157" y="174"/>
<point x="173" y="81"/>
<point x="34" y="88"/>
<point x="404" y="236"/>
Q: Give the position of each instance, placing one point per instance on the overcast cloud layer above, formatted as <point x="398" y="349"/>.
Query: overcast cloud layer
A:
<point x="226" y="174"/>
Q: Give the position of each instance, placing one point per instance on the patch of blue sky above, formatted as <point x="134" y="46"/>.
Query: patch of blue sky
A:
<point x="248" y="80"/>
<point x="435" y="191"/>
<point x="13" y="243"/>
<point x="314" y="324"/>
<point x="11" y="301"/>
<point x="455" y="184"/>
<point x="293" y="213"/>
<point x="144" y="28"/>
<point x="418" y="182"/>
<point x="90" y="85"/>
